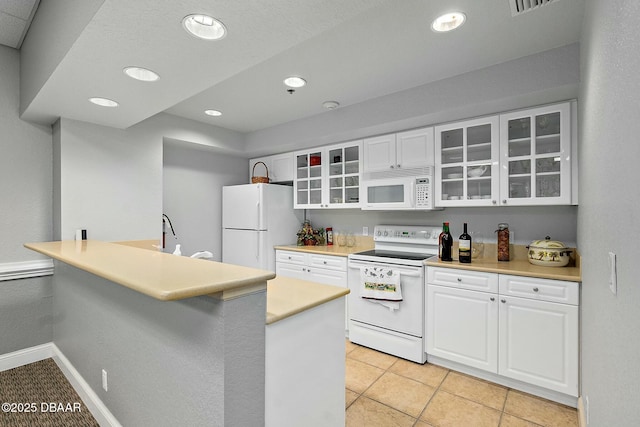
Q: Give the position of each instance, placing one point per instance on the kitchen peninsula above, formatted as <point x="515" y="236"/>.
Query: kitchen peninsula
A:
<point x="167" y="340"/>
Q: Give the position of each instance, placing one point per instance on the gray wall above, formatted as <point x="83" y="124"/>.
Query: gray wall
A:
<point x="192" y="184"/>
<point x="527" y="223"/>
<point x="194" y="362"/>
<point x="608" y="214"/>
<point x="543" y="78"/>
<point x="25" y="214"/>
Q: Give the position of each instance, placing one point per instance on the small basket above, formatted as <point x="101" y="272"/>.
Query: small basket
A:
<point x="259" y="179"/>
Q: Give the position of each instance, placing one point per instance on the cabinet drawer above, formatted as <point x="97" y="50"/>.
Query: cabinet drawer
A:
<point x="291" y="257"/>
<point x="463" y="279"/>
<point x="328" y="261"/>
<point x="540" y="289"/>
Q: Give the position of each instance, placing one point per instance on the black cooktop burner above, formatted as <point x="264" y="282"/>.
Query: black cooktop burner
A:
<point x="398" y="255"/>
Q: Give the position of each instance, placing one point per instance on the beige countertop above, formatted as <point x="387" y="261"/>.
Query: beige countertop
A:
<point x="517" y="266"/>
<point x="363" y="243"/>
<point x="156" y="274"/>
<point x="287" y="296"/>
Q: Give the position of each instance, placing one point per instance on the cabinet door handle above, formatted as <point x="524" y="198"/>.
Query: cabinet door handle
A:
<point x="494" y="202"/>
<point x="324" y="262"/>
<point x="492" y="299"/>
<point x="304" y="269"/>
<point x="391" y="166"/>
<point x="504" y="201"/>
<point x="503" y="301"/>
<point x="535" y="289"/>
<point x="459" y="279"/>
<point x="399" y="166"/>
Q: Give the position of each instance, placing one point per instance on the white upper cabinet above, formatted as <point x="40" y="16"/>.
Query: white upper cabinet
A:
<point x="328" y="177"/>
<point x="280" y="167"/>
<point x="535" y="156"/>
<point x="404" y="150"/>
<point x="525" y="157"/>
<point x="467" y="170"/>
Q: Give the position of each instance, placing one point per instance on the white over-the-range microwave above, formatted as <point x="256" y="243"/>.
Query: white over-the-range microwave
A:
<point x="409" y="189"/>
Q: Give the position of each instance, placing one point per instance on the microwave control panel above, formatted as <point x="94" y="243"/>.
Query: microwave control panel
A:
<point x="423" y="193"/>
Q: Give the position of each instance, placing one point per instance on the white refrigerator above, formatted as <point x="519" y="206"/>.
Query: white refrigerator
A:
<point x="255" y="218"/>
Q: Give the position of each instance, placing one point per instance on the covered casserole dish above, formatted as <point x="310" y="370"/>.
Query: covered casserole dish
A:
<point x="549" y="253"/>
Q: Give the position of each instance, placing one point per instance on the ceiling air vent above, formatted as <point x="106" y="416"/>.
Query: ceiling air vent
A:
<point x="518" y="7"/>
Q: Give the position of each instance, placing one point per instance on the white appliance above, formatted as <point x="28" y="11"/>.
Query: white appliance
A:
<point x="399" y="332"/>
<point x="393" y="192"/>
<point x="255" y="218"/>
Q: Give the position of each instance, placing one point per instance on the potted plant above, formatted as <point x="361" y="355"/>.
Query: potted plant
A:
<point x="308" y="236"/>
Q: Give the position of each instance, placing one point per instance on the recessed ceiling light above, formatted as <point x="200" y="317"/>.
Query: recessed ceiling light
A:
<point x="331" y="105"/>
<point x="104" y="102"/>
<point x="295" y="82"/>
<point x="448" y="21"/>
<point x="204" y="27"/>
<point x="214" y="113"/>
<point x="142" y="74"/>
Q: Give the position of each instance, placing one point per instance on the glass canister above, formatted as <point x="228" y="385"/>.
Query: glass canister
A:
<point x="503" y="241"/>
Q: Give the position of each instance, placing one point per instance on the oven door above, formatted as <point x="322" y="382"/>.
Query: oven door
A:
<point x="388" y="194"/>
<point x="408" y="319"/>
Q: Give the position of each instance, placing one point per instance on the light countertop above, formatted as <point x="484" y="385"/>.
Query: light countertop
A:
<point x="156" y="274"/>
<point x="287" y="296"/>
<point x="517" y="266"/>
<point x="363" y="243"/>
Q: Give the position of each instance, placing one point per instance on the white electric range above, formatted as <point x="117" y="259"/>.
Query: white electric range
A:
<point x="395" y="331"/>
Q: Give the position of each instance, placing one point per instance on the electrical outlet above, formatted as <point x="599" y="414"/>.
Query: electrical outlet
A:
<point x="104" y="380"/>
<point x="613" y="275"/>
<point x="365" y="231"/>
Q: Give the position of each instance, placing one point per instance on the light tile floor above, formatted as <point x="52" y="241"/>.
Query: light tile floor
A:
<point x="384" y="390"/>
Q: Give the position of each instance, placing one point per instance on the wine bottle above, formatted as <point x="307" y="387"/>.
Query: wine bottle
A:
<point x="445" y="243"/>
<point x="464" y="246"/>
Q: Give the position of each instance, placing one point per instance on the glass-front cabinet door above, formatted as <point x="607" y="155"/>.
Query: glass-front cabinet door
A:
<point x="535" y="156"/>
<point x="467" y="163"/>
<point x="344" y="175"/>
<point x="308" y="179"/>
<point x="328" y="177"/>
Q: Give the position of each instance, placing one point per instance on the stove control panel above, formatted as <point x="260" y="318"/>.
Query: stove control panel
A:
<point x="411" y="234"/>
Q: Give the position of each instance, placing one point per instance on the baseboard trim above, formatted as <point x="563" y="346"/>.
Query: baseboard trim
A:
<point x="98" y="409"/>
<point x="582" y="416"/>
<point x="24" y="357"/>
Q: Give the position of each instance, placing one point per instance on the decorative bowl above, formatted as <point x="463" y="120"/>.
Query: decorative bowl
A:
<point x="549" y="253"/>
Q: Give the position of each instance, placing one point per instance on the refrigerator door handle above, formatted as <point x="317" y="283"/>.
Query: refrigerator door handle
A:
<point x="258" y="248"/>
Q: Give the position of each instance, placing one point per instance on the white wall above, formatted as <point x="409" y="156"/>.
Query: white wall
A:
<point x="608" y="218"/>
<point x="25" y="214"/>
<point x="110" y="182"/>
<point x="111" y="179"/>
<point x="192" y="195"/>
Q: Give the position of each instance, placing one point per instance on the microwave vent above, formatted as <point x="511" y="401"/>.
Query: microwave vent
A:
<point x="518" y="7"/>
<point x="398" y="173"/>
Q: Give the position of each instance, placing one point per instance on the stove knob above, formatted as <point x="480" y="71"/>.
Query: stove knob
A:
<point x="379" y="233"/>
<point x="386" y="233"/>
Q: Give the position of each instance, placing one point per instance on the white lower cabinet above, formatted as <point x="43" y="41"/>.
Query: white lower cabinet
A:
<point x="326" y="269"/>
<point x="531" y="337"/>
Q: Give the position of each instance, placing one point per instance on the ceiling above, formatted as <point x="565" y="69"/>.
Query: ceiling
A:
<point x="15" y="18"/>
<point x="349" y="51"/>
